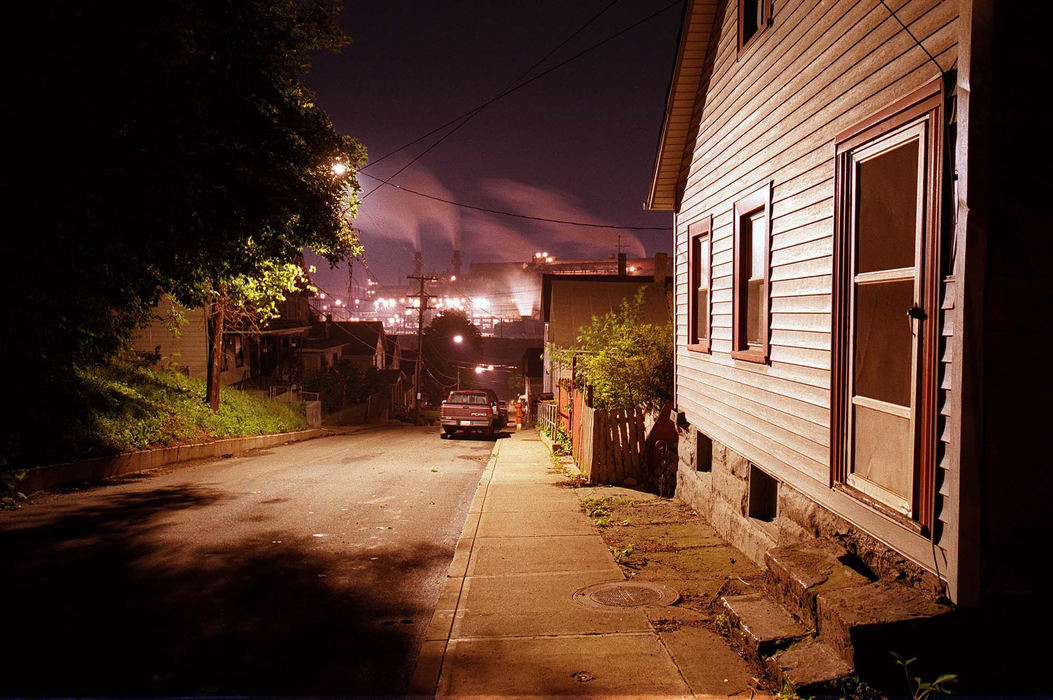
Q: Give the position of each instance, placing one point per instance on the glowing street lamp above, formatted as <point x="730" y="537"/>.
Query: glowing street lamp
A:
<point x="458" y="338"/>
<point x="339" y="169"/>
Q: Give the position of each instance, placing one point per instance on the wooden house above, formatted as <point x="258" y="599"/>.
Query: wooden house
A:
<point x="861" y="270"/>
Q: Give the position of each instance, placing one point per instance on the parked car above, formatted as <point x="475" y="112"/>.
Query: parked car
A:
<point x="471" y="411"/>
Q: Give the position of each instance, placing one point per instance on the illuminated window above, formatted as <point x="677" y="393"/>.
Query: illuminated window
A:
<point x="750" y="288"/>
<point x="699" y="264"/>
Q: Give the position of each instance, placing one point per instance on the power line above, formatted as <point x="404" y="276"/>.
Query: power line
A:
<point x="511" y="83"/>
<point x="518" y="216"/>
<point x="522" y="85"/>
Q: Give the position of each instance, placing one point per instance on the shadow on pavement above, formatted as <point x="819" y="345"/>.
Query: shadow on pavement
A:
<point x="104" y="599"/>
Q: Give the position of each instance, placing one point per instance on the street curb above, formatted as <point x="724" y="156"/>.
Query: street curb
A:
<point x="426" y="674"/>
<point x="99" y="468"/>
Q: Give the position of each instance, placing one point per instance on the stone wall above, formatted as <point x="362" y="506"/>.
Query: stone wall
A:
<point x="720" y="492"/>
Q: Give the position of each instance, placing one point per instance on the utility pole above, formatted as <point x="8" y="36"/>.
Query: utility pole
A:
<point x="423" y="296"/>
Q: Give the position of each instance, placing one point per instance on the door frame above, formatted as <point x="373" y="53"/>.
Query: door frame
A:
<point x="922" y="106"/>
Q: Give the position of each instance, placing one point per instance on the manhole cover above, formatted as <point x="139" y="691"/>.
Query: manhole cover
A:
<point x="626" y="594"/>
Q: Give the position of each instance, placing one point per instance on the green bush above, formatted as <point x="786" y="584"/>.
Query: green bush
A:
<point x="118" y="407"/>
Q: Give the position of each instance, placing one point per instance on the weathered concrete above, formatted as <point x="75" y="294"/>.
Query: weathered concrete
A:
<point x="872" y="616"/>
<point x="797" y="573"/>
<point x="722" y="496"/>
<point x="808" y="664"/>
<point x="507" y="624"/>
<point x="99" y="468"/>
<point x="765" y="625"/>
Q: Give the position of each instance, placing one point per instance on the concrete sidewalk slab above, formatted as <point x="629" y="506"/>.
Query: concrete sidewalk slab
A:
<point x="615" y="665"/>
<point x="502" y="556"/>
<point x="507" y="623"/>
<point x="534" y="523"/>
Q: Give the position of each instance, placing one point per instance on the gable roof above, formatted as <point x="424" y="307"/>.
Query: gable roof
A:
<point x="680" y="121"/>
<point x="361" y="337"/>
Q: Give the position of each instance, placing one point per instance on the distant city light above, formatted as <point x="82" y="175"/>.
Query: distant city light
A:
<point x="453" y="278"/>
<point x="632" y="268"/>
<point x="549" y="259"/>
<point x="458" y="338"/>
<point x="322" y="295"/>
<point x="490" y="367"/>
<point x="478" y="370"/>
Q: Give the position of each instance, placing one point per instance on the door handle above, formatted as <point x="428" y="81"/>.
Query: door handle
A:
<point x="917" y="313"/>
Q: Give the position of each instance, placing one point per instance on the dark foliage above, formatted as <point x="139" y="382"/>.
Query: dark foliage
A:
<point x="170" y="144"/>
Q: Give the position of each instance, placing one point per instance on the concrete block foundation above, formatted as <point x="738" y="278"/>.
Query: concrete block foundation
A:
<point x="719" y="489"/>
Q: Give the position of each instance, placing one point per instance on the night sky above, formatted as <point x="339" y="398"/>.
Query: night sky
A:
<point x="577" y="144"/>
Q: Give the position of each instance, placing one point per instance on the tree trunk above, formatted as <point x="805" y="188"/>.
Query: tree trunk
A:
<point x="215" y="352"/>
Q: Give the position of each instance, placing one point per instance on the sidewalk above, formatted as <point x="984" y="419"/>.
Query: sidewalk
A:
<point x="506" y="622"/>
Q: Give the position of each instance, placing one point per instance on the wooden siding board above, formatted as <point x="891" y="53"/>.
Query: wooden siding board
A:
<point x="826" y="66"/>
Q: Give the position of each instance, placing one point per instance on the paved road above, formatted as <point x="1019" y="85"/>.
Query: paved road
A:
<point x="306" y="569"/>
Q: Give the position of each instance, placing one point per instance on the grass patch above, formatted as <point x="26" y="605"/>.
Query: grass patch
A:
<point x="118" y="407"/>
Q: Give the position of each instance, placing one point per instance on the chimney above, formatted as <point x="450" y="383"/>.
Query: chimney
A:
<point x="418" y="263"/>
<point x="621" y="264"/>
<point x="457" y="263"/>
<point x="661" y="262"/>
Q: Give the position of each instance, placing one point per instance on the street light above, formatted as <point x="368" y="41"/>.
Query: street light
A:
<point x="339" y="169"/>
<point x="458" y="338"/>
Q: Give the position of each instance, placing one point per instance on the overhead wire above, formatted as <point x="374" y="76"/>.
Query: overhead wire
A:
<point x="523" y="84"/>
<point x="518" y="216"/>
<point x="511" y="83"/>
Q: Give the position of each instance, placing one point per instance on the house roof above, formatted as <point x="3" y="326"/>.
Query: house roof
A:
<point x="681" y="120"/>
<point x="361" y="337"/>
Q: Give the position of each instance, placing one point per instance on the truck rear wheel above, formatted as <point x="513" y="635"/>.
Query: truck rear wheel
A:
<point x="448" y="432"/>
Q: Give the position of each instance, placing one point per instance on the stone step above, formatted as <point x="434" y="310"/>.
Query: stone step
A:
<point x="867" y="622"/>
<point x="764" y="625"/>
<point x="808" y="665"/>
<point x="798" y="573"/>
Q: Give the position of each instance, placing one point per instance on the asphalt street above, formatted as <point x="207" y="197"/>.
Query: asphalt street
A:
<point x="311" y="568"/>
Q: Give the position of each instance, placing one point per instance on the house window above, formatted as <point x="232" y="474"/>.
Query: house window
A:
<point x="754" y="17"/>
<point x="699" y="264"/>
<point x="750" y="308"/>
<point x="886" y="262"/>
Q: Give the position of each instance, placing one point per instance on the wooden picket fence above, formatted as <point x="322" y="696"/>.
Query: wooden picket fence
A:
<point x="610" y="444"/>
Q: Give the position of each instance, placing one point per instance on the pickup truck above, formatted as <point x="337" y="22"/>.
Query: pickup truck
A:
<point x="471" y="411"/>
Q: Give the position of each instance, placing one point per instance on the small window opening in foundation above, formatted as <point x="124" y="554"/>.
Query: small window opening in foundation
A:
<point x="703" y="452"/>
<point x="764" y="495"/>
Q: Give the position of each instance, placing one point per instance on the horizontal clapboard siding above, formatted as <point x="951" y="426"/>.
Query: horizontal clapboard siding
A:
<point x="771" y="116"/>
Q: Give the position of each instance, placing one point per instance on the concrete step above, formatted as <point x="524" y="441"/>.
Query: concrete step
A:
<point x="800" y="572"/>
<point x="808" y="665"/>
<point x="865" y="623"/>
<point x="764" y="625"/>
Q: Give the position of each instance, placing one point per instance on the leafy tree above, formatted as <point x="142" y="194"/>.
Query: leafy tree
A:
<point x="246" y="303"/>
<point x="173" y="147"/>
<point x="626" y="361"/>
<point x="442" y="354"/>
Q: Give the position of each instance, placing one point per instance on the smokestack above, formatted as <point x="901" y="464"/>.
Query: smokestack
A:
<point x="621" y="264"/>
<point x="418" y="263"/>
<point x="661" y="261"/>
<point x="457" y="263"/>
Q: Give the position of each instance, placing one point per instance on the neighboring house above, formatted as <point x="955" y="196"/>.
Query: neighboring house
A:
<point x="860" y="316"/>
<point x="267" y="354"/>
<point x="569" y="302"/>
<point x="364" y="343"/>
